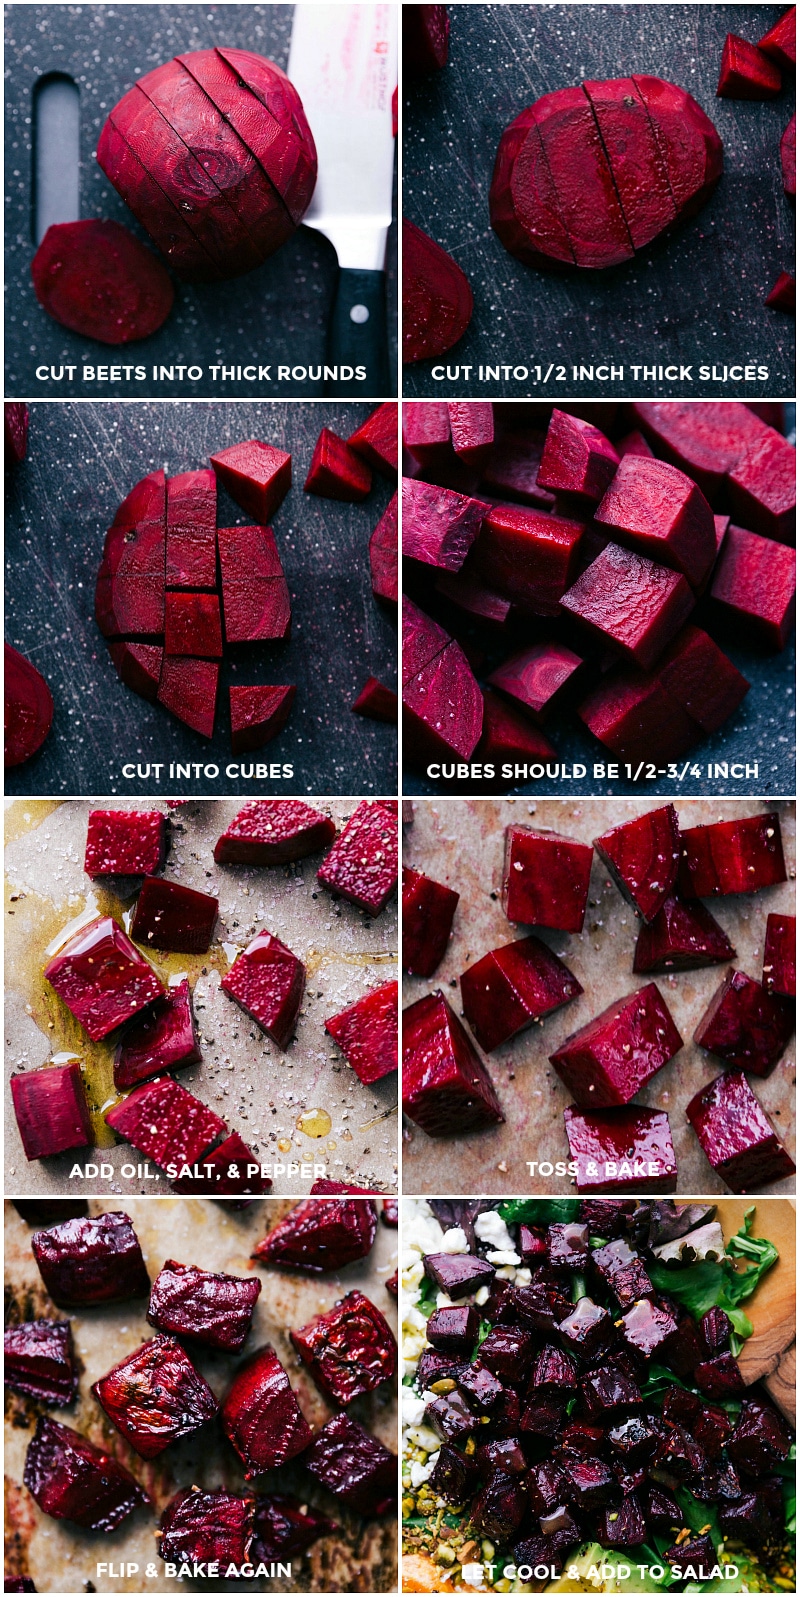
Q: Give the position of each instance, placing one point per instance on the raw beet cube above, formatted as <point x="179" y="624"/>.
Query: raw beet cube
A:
<point x="354" y="1465"/>
<point x="376" y="440"/>
<point x="138" y="665"/>
<point x="174" y="918"/>
<point x="469" y="594"/>
<point x="719" y="1377"/>
<point x="698" y="1555"/>
<point x="207" y="1527"/>
<point x="349" y="1350"/>
<point x="230" y="1170"/>
<point x="482" y="1390"/>
<point x="446" y="1087"/>
<point x="745" y="1026"/>
<point x="188" y="689"/>
<point x="257" y="476"/>
<point x="642" y="856"/>
<point x="779" y="41"/>
<point x="658" y="511"/>
<point x="577" y="458"/>
<point x="715" y="1329"/>
<point x="646" y="1326"/>
<point x="155" y="1395"/>
<point x="634" y="443"/>
<point x="760" y="1439"/>
<point x="545" y="879"/>
<point x="255" y="593"/>
<point x="191" y="530"/>
<point x="754" y="588"/>
<point x="262" y="1417"/>
<point x="512" y="987"/>
<point x="362" y="865"/>
<point x="681" y="937"/>
<point x="472" y="430"/>
<point x="788" y="161"/>
<point x="93" y="1260"/>
<point x="125" y="843"/>
<point x="631" y="602"/>
<point x="606" y="1392"/>
<point x="450" y="1418"/>
<point x="746" y="72"/>
<point x="336" y="471"/>
<point x="383" y="555"/>
<point x="285" y="1526"/>
<point x="633" y="715"/>
<point x="458" y="1274"/>
<point x="507" y="735"/>
<point x="439" y="526"/>
<point x="454" y="1330"/>
<point x="779" y="955"/>
<point x="623" y="1526"/>
<point x="165" y="1122"/>
<point x="587" y="1330"/>
<point x="453" y="1476"/>
<point x="102" y="978"/>
<point x="51" y="1111"/>
<point x="608" y="1060"/>
<point x="512" y="469"/>
<point x="321" y="1236"/>
<point x="71" y="1479"/>
<point x="258" y="714"/>
<point x="701" y="679"/>
<point x="735" y="1135"/>
<point x="428" y="910"/>
<point x="268" y="981"/>
<point x="619" y="1150"/>
<point x="508" y="1352"/>
<point x="740" y="856"/>
<point x="538" y="678"/>
<point x="161" y="1039"/>
<point x="499" y="1508"/>
<point x="442" y="703"/>
<point x="528" y="556"/>
<point x="621" y="1269"/>
<point x="201" y="1306"/>
<point x="367" y="1033"/>
<point x="193" y="625"/>
<point x="426" y="433"/>
<point x="39" y="1360"/>
<point x="272" y="832"/>
<point x="376" y="702"/>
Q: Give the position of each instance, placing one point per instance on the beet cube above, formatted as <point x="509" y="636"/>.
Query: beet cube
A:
<point x="538" y="678"/>
<point x="504" y="1422"/>
<point x="175" y="918"/>
<point x="545" y="879"/>
<point x="528" y="556"/>
<point x="617" y="1150"/>
<point x="642" y="856"/>
<point x="609" y="1059"/>
<point x="697" y="1556"/>
<point x="138" y="665"/>
<point x="760" y="1440"/>
<point x="102" y="978"/>
<point x="428" y="910"/>
<point x="362" y="865"/>
<point x="51" y="1111"/>
<point x="681" y="937"/>
<point x="454" y="1330"/>
<point x="71" y="1479"/>
<point x="646" y="1326"/>
<point x="512" y="469"/>
<point x="622" y="1271"/>
<point x="568" y="1245"/>
<point x="607" y="1392"/>
<point x="715" y="1329"/>
<point x="92" y="1260"/>
<point x="633" y="715"/>
<point x="349" y="1350"/>
<point x="553" y="1369"/>
<point x="439" y="526"/>
<point x="532" y="1245"/>
<point x="754" y="588"/>
<point x="446" y="1087"/>
<point x="499" y="1508"/>
<point x="230" y="1170"/>
<point x="161" y="1039"/>
<point x="779" y="41"/>
<point x="472" y="430"/>
<point x="354" y="1465"/>
<point x="745" y="1026"/>
<point x="129" y="593"/>
<point x="255" y="594"/>
<point x="155" y="1395"/>
<point x="434" y="1366"/>
<point x="589" y="1481"/>
<point x="336" y="471"/>
<point x="376" y="702"/>
<point x="754" y="1518"/>
<point x="201" y="1306"/>
<point x="191" y="530"/>
<point x="453" y="1475"/>
<point x="719" y="1376"/>
<point x="261" y="1415"/>
<point x="630" y="602"/>
<point x="39" y="1360"/>
<point x="542" y="1307"/>
<point x="684" y="1350"/>
<point x="740" y="856"/>
<point x="548" y="1550"/>
<point x="482" y="1391"/>
<point x="587" y="1330"/>
<point x="547" y="1486"/>
<point x="458" y="1274"/>
<point x="450" y="1418"/>
<point x="383" y="555"/>
<point x="272" y="832"/>
<point x="318" y="1237"/>
<point x="504" y="1454"/>
<point x="165" y="1122"/>
<point x="193" y="625"/>
<point x="376" y="440"/>
<point x="268" y="981"/>
<point x="188" y="689"/>
<point x="658" y="511"/>
<point x="442" y="703"/>
<point x="257" y="476"/>
<point x="735" y="1135"/>
<point x="469" y="594"/>
<point x="635" y="1438"/>
<point x="367" y="1033"/>
<point x="508" y="1352"/>
<point x="207" y="1527"/>
<point x="125" y="843"/>
<point x="580" y="1437"/>
<point x="662" y="1510"/>
<point x="779" y="955"/>
<point x="512" y="987"/>
<point x="258" y="714"/>
<point x="701" y="679"/>
<point x="543" y="1415"/>
<point x="623" y="1526"/>
<point x="284" y="1526"/>
<point x="577" y="458"/>
<point x="746" y="72"/>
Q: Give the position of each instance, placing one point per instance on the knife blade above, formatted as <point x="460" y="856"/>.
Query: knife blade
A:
<point x="343" y="64"/>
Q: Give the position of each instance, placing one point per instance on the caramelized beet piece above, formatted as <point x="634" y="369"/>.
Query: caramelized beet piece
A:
<point x="446" y="1087"/>
<point x="262" y="1417"/>
<point x="735" y="1135"/>
<point x="92" y="1260"/>
<point x="349" y="1350"/>
<point x="272" y="832"/>
<point x="230" y="1170"/>
<point x="268" y="981"/>
<point x="206" y="1527"/>
<point x="507" y="1351"/>
<point x="568" y="1245"/>
<point x="662" y="1510"/>
<point x="165" y="1122"/>
<point x="528" y="556"/>
<point x="550" y="1550"/>
<point x="577" y="458"/>
<point x="740" y="856"/>
<point x="319" y="1237"/>
<point x="719" y="1376"/>
<point x="367" y="1033"/>
<point x="71" y="1479"/>
<point x="622" y="1271"/>
<point x="256" y="475"/>
<point x="284" y="1527"/>
<point x="454" y="1330"/>
<point x="589" y="1481"/>
<point x="188" y="689"/>
<point x="336" y="471"/>
<point x="642" y="856"/>
<point x="362" y="865"/>
<point x="609" y="1059"/>
<point x="545" y="879"/>
<point x="125" y="843"/>
<point x="191" y="530"/>
<point x="512" y="987"/>
<point x="499" y="1508"/>
<point x="635" y="1439"/>
<point x="39" y="1360"/>
<point x="51" y="1111"/>
<point x="659" y="512"/>
<point x="439" y="526"/>
<point x="161" y="1039"/>
<point x="631" y="602"/>
<point x="202" y="1306"/>
<point x="426" y="36"/>
<point x="623" y="1526"/>
<point x="745" y="1026"/>
<point x="482" y="1390"/>
<point x="138" y="665"/>
<point x="697" y="1556"/>
<point x="102" y="978"/>
<point x="428" y="910"/>
<point x="376" y="440"/>
<point x="684" y="1351"/>
<point x="617" y="1150"/>
<point x="155" y="1395"/>
<point x="450" y="1418"/>
<point x="98" y="279"/>
<point x="587" y="1330"/>
<point x="746" y="72"/>
<point x="376" y="702"/>
<point x="538" y="678"/>
<point x="754" y="588"/>
<point x="453" y="1475"/>
<point x="646" y="1326"/>
<point x="458" y="1274"/>
<point x="607" y="1392"/>
<point x="760" y="1440"/>
<point x="701" y="679"/>
<point x="354" y="1465"/>
<point x="383" y="555"/>
<point x="779" y="955"/>
<point x="681" y="937"/>
<point x="553" y="1369"/>
<point x="435" y="1366"/>
<point x="28" y="708"/>
<point x="437" y="298"/>
<point x="715" y="1329"/>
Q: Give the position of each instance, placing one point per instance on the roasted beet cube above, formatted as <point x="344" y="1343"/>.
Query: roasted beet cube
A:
<point x="162" y="1038"/>
<point x="434" y="1366"/>
<point x="635" y="1438"/>
<point x="51" y="1111"/>
<point x="681" y="1407"/>
<point x="606" y="1391"/>
<point x="446" y="1087"/>
<point x="499" y="1508"/>
<point x="580" y="1437"/>
<point x="201" y="1527"/>
<point x="321" y="1236"/>
<point x="499" y="1308"/>
<point x="543" y="1414"/>
<point x="229" y="1171"/>
<point x="642" y="856"/>
<point x="662" y="1511"/>
<point x="589" y="1481"/>
<point x="740" y="856"/>
<point x="454" y="1330"/>
<point x="268" y="981"/>
<point x="712" y="1429"/>
<point x="480" y="1388"/>
<point x="719" y="1376"/>
<point x="202" y="1306"/>
<point x="273" y="832"/>
<point x="683" y="936"/>
<point x="753" y="1518"/>
<point x="174" y="918"/>
<point x="545" y="879"/>
<point x="754" y="588"/>
<point x="735" y="1135"/>
<point x="577" y="458"/>
<point x="631" y="602"/>
<point x="451" y="1418"/>
<point x="746" y="1026"/>
<point x="609" y="1059"/>
<point x="658" y="511"/>
<point x="453" y="1476"/>
<point x="428" y="910"/>
<point x="439" y="526"/>
<point x="587" y="1330"/>
<point x="608" y="1218"/>
<point x="553" y="1368"/>
<point x="458" y="1274"/>
<point x="760" y="1440"/>
<point x="39" y="1360"/>
<point x="92" y="1260"/>
<point x="696" y="1558"/>
<point x="532" y="1245"/>
<point x="568" y="1245"/>
<point x="125" y="843"/>
<point x="646" y="1326"/>
<point x="547" y="1485"/>
<point x="166" y="1122"/>
<point x="548" y="1550"/>
<point x="336" y="471"/>
<point x="508" y="1352"/>
<point x="261" y="1415"/>
<point x="155" y="1395"/>
<point x="256" y="475"/>
<point x="679" y="1454"/>
<point x="528" y="556"/>
<point x="102" y="978"/>
<point x="367" y="1033"/>
<point x="354" y="1465"/>
<point x="779" y="955"/>
<point x="617" y="1150"/>
<point x="512" y="987"/>
<point x="350" y="1349"/>
<point x="621" y="1270"/>
<point x="623" y="1526"/>
<point x="684" y="1350"/>
<point x="284" y="1526"/>
<point x="71" y="1479"/>
<point x="541" y="1307"/>
<point x="362" y="865"/>
<point x="504" y="1455"/>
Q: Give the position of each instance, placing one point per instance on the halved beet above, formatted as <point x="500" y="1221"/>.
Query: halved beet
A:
<point x="383" y="555"/>
<point x="71" y="1479"/>
<point x="642" y="856"/>
<point x="193" y="625"/>
<point x="39" y="1360"/>
<point x="155" y="1395"/>
<point x="446" y="1087"/>
<point x="376" y="702"/>
<point x="173" y="917"/>
<point x="188" y="688"/>
<point x="681" y="937"/>
<point x="268" y="981"/>
<point x="439" y="526"/>
<point x="336" y="471"/>
<point x="740" y="856"/>
<point x="191" y="530"/>
<point x="273" y="832"/>
<point x="428" y="910"/>
<point x="162" y="1038"/>
<point x="788" y="158"/>
<point x="779" y="955"/>
<point x="609" y="1059"/>
<point x="203" y="1306"/>
<point x="545" y="879"/>
<point x="528" y="556"/>
<point x="762" y="486"/>
<point x="322" y="1236"/>
<point x="51" y="1111"/>
<point x="90" y="1260"/>
<point x="350" y="1350"/>
<point x="779" y="41"/>
<point x="204" y="1528"/>
<point x="28" y="708"/>
<point x="471" y="430"/>
<point x="97" y="279"/>
<point x="437" y="298"/>
<point x="660" y="512"/>
<point x="746" y="73"/>
<point x="538" y="678"/>
<point x="230" y="1170"/>
<point x="426" y="34"/>
<point x="367" y="1033"/>
<point x="258" y="713"/>
<point x="631" y="602"/>
<point x="782" y="296"/>
<point x="577" y="458"/>
<point x="165" y="1122"/>
<point x="507" y="735"/>
<point x="754" y="587"/>
<point x="354" y="1465"/>
<point x="15" y="433"/>
<point x="125" y="843"/>
<point x="376" y="440"/>
<point x="737" y="1138"/>
<point x="621" y="1150"/>
<point x="746" y="1026"/>
<point x="701" y="679"/>
<point x="362" y="865"/>
<point x="633" y="715"/>
<point x="256" y="475"/>
<point x="102" y="978"/>
<point x="512" y="987"/>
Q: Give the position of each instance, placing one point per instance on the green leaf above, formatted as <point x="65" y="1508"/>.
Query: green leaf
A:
<point x="659" y="1380"/>
<point x="539" y="1211"/>
<point x="698" y="1515"/>
<point x="707" y="1285"/>
<point x="483" y="1331"/>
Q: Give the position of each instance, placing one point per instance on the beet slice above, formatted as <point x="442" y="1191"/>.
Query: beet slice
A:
<point x="39" y="1360"/>
<point x="15" y="433"/>
<point x="320" y="1237"/>
<point x="256" y="475"/>
<point x="155" y="1395"/>
<point x="471" y="430"/>
<point x="336" y="471"/>
<point x="383" y="555"/>
<point x="736" y="1136"/>
<point x="51" y="1111"/>
<point x="689" y="143"/>
<point x="355" y="1466"/>
<point x="350" y="1350"/>
<point x="642" y="856"/>
<point x="129" y="593"/>
<point x="621" y="1150"/>
<point x="102" y="978"/>
<point x="681" y="937"/>
<point x="512" y="987"/>
<point x="631" y="602"/>
<point x="273" y="832"/>
<point x="507" y="735"/>
<point x="439" y="526"/>
<point x="437" y="298"/>
<point x="528" y="556"/>
<point x="70" y="1479"/>
<point x="90" y="1260"/>
<point x="262" y="1417"/>
<point x="255" y="594"/>
<point x="376" y="702"/>
<point x="746" y="73"/>
<point x="188" y="689"/>
<point x="162" y="1038"/>
<point x="203" y="1528"/>
<point x="28" y="708"/>
<point x="376" y="440"/>
<point x="754" y="588"/>
<point x="701" y="679"/>
<point x="426" y="38"/>
<point x="660" y="512"/>
<point x="191" y="530"/>
<point x="545" y="879"/>
<point x="609" y="1059"/>
<point x="362" y="865"/>
<point x="203" y="1306"/>
<point x="169" y="227"/>
<point x="428" y="910"/>
<point x="577" y="458"/>
<point x="779" y="41"/>
<point x="782" y="295"/>
<point x="97" y="279"/>
<point x="442" y="703"/>
<point x="632" y="714"/>
<point x="367" y="1033"/>
<point x="125" y="843"/>
<point x="172" y="917"/>
<point x="788" y="158"/>
<point x="746" y="1027"/>
<point x="779" y="955"/>
<point x="637" y="163"/>
<point x="224" y="1173"/>
<point x="165" y="1122"/>
<point x="762" y="486"/>
<point x="446" y="1087"/>
<point x="268" y="981"/>
<point x="538" y="679"/>
<point x="285" y="1526"/>
<point x="740" y="856"/>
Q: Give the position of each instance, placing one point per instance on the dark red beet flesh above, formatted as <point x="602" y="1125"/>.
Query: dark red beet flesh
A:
<point x="191" y="530"/>
<point x="125" y="843"/>
<point x="528" y="556"/>
<point x="754" y="588"/>
<point x="630" y="602"/>
<point x="442" y="703"/>
<point x="255" y="593"/>
<point x="355" y="1466"/>
<point x="367" y="1033"/>
<point x="98" y="279"/>
<point x="188" y="688"/>
<point x="538" y="679"/>
<point x="383" y="555"/>
<point x="223" y="1173"/>
<point x="70" y="1479"/>
<point x="258" y="714"/>
<point x="268" y="981"/>
<point x="207" y="1528"/>
<point x="193" y="625"/>
<point x="376" y="440"/>
<point x="96" y="1259"/>
<point x="161" y="1039"/>
<point x="577" y="458"/>
<point x="701" y="679"/>
<point x="428" y="910"/>
<point x="746" y="72"/>
<point x="779" y="41"/>
<point x="681" y="937"/>
<point x="740" y="856"/>
<point x="39" y="1361"/>
<point x="173" y="917"/>
<point x="545" y="879"/>
<point x="349" y="1350"/>
<point x="273" y="832"/>
<point x="660" y="512"/>
<point x="633" y="715"/>
<point x="426" y="36"/>
<point x="735" y="1135"/>
<point x="512" y="987"/>
<point x="15" y="433"/>
<point x="779" y="955"/>
<point x="446" y="1087"/>
<point x="376" y="702"/>
<point x="507" y="735"/>
<point x="51" y="1111"/>
<point x="165" y="1122"/>
<point x="762" y="487"/>
<point x="609" y="1059"/>
<point x="262" y="1417"/>
<point x="256" y="475"/>
<point x="28" y="708"/>
<point x="284" y="1527"/>
<point x="437" y="298"/>
<point x="782" y="296"/>
<point x="788" y="158"/>
<point x="362" y="864"/>
<point x="621" y="1150"/>
<point x="201" y="1306"/>
<point x="336" y="471"/>
<point x="746" y="1026"/>
<point x="642" y="856"/>
<point x="102" y="978"/>
<point x="439" y="526"/>
<point x="323" y="1236"/>
<point x="155" y="1395"/>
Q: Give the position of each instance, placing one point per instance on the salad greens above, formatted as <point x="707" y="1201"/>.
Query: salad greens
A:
<point x="706" y="1286"/>
<point x="539" y="1211"/>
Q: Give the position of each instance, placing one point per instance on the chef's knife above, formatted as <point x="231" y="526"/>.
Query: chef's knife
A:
<point x="343" y="64"/>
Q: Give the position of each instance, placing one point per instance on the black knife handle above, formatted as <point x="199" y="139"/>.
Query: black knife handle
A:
<point x="357" y="335"/>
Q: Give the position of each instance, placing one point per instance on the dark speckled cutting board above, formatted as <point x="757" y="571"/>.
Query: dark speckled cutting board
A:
<point x="82" y="460"/>
<point x="694" y="298"/>
<point x="275" y="315"/>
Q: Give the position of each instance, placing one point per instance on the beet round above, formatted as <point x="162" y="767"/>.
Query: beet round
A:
<point x="437" y="299"/>
<point x="28" y="708"/>
<point x="97" y="279"/>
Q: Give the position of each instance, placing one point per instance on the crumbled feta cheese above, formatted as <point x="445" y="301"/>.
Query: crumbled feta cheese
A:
<point x="504" y="1256"/>
<point x="491" y="1229"/>
<point x="415" y="1319"/>
<point x="505" y="1272"/>
<point x="422" y="1437"/>
<point x="413" y="1407"/>
<point x="420" y="1472"/>
<point x="523" y="1277"/>
<point x="482" y="1294"/>
<point x="472" y="1574"/>
<point x="454" y="1241"/>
